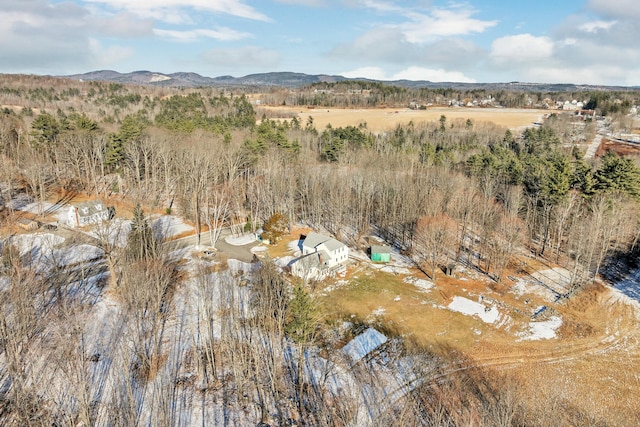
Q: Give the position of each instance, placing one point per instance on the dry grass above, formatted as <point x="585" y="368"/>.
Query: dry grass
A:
<point x="593" y="365"/>
<point x="384" y="119"/>
<point x="281" y="248"/>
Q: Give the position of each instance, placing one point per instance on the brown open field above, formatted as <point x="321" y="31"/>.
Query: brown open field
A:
<point x="383" y="119"/>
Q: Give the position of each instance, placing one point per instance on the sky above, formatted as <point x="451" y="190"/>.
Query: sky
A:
<point x="542" y="41"/>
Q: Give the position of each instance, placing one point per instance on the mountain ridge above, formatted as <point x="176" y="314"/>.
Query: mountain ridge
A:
<point x="288" y="79"/>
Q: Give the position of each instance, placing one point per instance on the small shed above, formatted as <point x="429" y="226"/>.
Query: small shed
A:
<point x="380" y="253"/>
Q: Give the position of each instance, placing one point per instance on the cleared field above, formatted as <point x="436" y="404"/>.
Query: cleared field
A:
<point x="383" y="119"/>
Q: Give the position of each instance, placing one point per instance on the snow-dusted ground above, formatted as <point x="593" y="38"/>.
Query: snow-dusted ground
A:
<point x="115" y="231"/>
<point x="541" y="330"/>
<point x="530" y="287"/>
<point x="295" y="246"/>
<point x="422" y="284"/>
<point x="241" y="240"/>
<point x="284" y="261"/>
<point x="392" y="269"/>
<point x="46" y="250"/>
<point x="236" y="266"/>
<point x="167" y="226"/>
<point x="36" y="244"/>
<point x="363" y="344"/>
<point x="557" y="279"/>
<point x="630" y="285"/>
<point x="488" y="314"/>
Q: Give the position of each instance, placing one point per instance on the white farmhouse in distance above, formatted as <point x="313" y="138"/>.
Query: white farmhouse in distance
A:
<point x="322" y="256"/>
<point x="90" y="212"/>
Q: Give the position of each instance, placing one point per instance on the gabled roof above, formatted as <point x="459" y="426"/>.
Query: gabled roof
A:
<point x="313" y="240"/>
<point x="90" y="207"/>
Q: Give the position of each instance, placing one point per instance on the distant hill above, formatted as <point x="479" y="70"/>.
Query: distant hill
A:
<point x="294" y="80"/>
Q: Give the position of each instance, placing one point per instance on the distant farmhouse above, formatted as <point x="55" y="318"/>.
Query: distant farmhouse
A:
<point x="322" y="256"/>
<point x="90" y="212"/>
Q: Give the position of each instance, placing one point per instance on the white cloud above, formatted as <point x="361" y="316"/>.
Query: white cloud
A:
<point x="375" y="73"/>
<point x="521" y="48"/>
<point x="41" y="37"/>
<point x="222" y="34"/>
<point x="617" y="9"/>
<point x="443" y="23"/>
<point x="107" y="56"/>
<point x="247" y="57"/>
<point x="595" y="26"/>
<point x="410" y="73"/>
<point x="611" y="74"/>
<point x="315" y="3"/>
<point x="167" y="10"/>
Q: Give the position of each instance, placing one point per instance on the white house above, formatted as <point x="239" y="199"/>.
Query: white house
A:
<point x="90" y="212"/>
<point x="321" y="256"/>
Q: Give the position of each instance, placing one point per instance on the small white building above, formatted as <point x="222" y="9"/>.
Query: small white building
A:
<point x="322" y="256"/>
<point x="90" y="212"/>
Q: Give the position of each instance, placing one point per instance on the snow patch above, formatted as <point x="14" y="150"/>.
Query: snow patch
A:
<point x="76" y="254"/>
<point x="241" y="240"/>
<point x="4" y="283"/>
<point x="295" y="246"/>
<point x="116" y="232"/>
<point x="167" y="226"/>
<point x="39" y="244"/>
<point x="284" y="261"/>
<point x="379" y="311"/>
<point x="422" y="284"/>
<point x="363" y="344"/>
<point x="392" y="269"/>
<point x="526" y="287"/>
<point x="488" y="314"/>
<point x="236" y="266"/>
<point x="543" y="330"/>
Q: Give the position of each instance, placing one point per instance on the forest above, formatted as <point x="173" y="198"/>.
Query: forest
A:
<point x="446" y="194"/>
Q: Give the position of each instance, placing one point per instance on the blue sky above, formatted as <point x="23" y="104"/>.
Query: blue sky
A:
<point x="569" y="41"/>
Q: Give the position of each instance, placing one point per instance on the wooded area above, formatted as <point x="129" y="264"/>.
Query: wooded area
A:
<point x="446" y="194"/>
